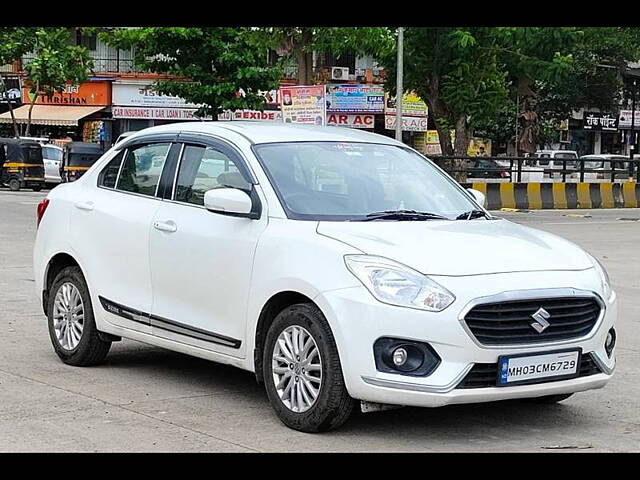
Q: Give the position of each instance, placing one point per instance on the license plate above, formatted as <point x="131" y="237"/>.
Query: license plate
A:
<point x="534" y="368"/>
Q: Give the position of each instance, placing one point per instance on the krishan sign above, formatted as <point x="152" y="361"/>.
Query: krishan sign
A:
<point x="87" y="93"/>
<point x="409" y="124"/>
<point x="600" y="121"/>
<point x="304" y="104"/>
<point x="350" y="120"/>
<point x="154" y="113"/>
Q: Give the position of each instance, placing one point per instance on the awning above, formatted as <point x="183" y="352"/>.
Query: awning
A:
<point x="49" y="114"/>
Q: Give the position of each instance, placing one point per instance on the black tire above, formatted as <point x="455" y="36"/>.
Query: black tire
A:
<point x="549" y="399"/>
<point x="14" y="184"/>
<point x="91" y="350"/>
<point x="333" y="405"/>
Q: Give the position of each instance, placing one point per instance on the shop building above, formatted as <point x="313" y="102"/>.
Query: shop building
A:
<point x="79" y="113"/>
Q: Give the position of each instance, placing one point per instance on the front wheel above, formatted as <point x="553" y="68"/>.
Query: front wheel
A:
<point x="302" y="371"/>
<point x="72" y="326"/>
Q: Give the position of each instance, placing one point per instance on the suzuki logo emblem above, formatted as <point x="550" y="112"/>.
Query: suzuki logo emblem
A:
<point x="541" y="317"/>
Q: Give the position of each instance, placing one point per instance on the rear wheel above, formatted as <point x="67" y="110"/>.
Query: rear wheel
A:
<point x="302" y="371"/>
<point x="14" y="184"/>
<point x="72" y="326"/>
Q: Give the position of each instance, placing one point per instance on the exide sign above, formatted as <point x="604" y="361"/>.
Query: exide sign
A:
<point x="350" y="120"/>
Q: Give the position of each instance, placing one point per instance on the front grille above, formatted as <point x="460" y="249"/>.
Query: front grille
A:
<point x="509" y="323"/>
<point x="484" y="375"/>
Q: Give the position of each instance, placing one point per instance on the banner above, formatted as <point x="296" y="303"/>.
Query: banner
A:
<point x="252" y="115"/>
<point x="143" y="95"/>
<point x="154" y="113"/>
<point x="624" y="121"/>
<point x="350" y="120"/>
<point x="412" y="105"/>
<point x="304" y="104"/>
<point x="409" y="124"/>
<point x="355" y="98"/>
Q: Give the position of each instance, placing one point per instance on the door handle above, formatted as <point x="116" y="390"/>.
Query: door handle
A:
<point x="85" y="205"/>
<point x="168" y="226"/>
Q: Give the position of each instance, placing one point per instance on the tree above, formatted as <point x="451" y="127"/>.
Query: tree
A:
<point x="55" y="64"/>
<point x="14" y="43"/>
<point x="299" y="44"/>
<point x="589" y="76"/>
<point x="465" y="74"/>
<point x="205" y="66"/>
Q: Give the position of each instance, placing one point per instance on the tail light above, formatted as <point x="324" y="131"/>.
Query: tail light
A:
<point x="42" y="207"/>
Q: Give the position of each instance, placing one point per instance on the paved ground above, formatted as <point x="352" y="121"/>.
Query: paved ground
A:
<point x="148" y="399"/>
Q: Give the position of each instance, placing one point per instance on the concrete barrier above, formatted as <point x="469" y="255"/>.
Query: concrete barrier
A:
<point x="537" y="195"/>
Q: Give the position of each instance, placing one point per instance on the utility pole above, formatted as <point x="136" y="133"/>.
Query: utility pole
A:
<point x="632" y="148"/>
<point x="399" y="88"/>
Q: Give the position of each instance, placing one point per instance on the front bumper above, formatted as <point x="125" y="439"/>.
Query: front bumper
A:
<point x="358" y="320"/>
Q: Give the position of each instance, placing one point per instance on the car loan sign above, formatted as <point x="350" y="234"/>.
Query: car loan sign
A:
<point x="304" y="104"/>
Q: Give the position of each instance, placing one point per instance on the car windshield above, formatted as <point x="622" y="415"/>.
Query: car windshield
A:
<point x="348" y="181"/>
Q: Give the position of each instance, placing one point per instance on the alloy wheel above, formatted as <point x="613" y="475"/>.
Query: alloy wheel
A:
<point x="297" y="368"/>
<point x="68" y="316"/>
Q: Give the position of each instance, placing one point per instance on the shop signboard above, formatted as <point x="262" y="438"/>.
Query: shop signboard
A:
<point x="304" y="104"/>
<point x="624" y="120"/>
<point x="11" y="92"/>
<point x="252" y="115"/>
<point x="409" y="124"/>
<point x="154" y="113"/>
<point x="412" y="105"/>
<point x="85" y="94"/>
<point x="355" y="98"/>
<point x="143" y="94"/>
<point x="350" y="120"/>
<point x="600" y="122"/>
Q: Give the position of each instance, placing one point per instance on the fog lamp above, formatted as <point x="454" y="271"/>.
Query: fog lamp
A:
<point x="399" y="356"/>
<point x="610" y="342"/>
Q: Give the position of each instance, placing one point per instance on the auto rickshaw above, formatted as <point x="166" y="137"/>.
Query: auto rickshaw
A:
<point x="77" y="159"/>
<point x="21" y="164"/>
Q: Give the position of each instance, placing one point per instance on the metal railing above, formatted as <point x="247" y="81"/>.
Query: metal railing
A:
<point x="532" y="169"/>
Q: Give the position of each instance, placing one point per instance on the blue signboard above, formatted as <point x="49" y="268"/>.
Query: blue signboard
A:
<point x="355" y="98"/>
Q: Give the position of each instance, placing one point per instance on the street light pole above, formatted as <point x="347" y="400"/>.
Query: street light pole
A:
<point x="632" y="148"/>
<point x="399" y="88"/>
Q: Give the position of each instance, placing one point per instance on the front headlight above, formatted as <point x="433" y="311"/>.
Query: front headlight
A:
<point x="396" y="284"/>
<point x="604" y="278"/>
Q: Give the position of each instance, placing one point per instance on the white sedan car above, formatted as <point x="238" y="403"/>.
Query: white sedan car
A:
<point x="338" y="265"/>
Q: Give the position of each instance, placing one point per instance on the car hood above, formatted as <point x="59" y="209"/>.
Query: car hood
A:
<point x="462" y="247"/>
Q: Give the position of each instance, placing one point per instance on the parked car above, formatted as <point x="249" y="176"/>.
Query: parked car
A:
<point x="601" y="165"/>
<point x="52" y="157"/>
<point x="552" y="160"/>
<point x="232" y="249"/>
<point x="485" y="168"/>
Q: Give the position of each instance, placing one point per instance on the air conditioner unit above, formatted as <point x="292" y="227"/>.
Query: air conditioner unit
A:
<point x="339" y="73"/>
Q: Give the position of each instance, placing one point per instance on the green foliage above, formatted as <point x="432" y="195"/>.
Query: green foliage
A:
<point x="206" y="66"/>
<point x="56" y="62"/>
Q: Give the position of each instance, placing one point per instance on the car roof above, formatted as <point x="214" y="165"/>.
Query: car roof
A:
<point x="269" y="132"/>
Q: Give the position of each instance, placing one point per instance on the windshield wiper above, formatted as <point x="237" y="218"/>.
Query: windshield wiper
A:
<point x="472" y="214"/>
<point x="403" y="215"/>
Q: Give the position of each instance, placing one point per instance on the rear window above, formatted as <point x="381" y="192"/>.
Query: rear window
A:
<point x="51" y="153"/>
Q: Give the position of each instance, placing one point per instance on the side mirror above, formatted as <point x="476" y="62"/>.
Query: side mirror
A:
<point x="479" y="196"/>
<point x="228" y="201"/>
